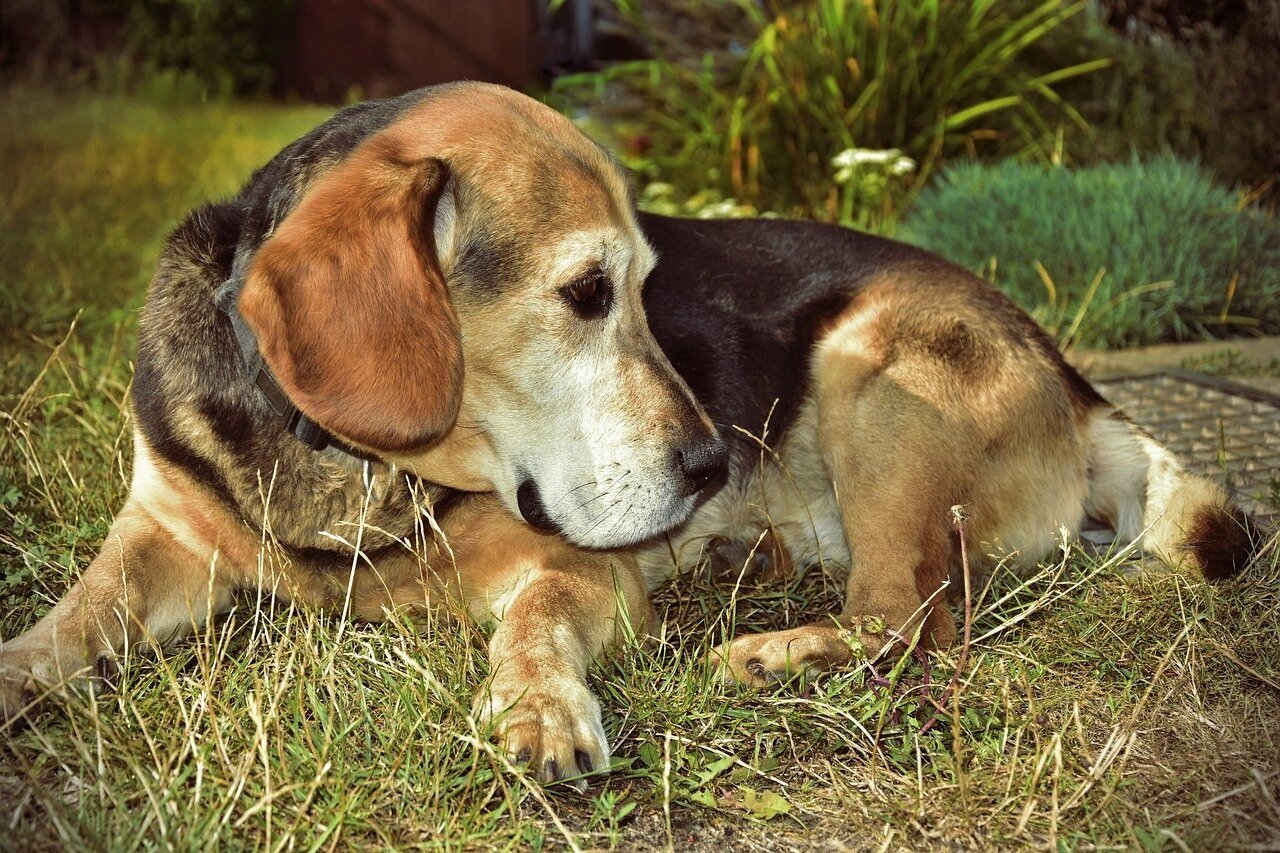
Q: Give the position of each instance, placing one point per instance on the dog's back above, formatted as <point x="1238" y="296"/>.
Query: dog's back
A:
<point x="757" y="314"/>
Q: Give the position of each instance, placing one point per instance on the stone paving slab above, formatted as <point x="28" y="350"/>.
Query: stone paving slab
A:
<point x="1225" y="426"/>
<point x="1108" y="364"/>
<point x="1222" y="429"/>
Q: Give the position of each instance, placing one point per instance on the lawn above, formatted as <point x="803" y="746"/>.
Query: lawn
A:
<point x="1100" y="705"/>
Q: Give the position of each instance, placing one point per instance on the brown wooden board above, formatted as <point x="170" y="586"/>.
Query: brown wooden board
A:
<point x="376" y="48"/>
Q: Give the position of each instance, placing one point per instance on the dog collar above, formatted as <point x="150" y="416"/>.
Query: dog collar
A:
<point x="291" y="418"/>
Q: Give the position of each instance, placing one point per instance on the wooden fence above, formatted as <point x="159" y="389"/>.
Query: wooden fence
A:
<point x="384" y="47"/>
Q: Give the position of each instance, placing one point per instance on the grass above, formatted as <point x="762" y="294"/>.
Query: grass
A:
<point x="1233" y="363"/>
<point x="93" y="184"/>
<point x="1098" y="707"/>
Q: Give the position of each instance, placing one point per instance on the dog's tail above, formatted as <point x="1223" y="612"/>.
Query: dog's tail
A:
<point x="1139" y="489"/>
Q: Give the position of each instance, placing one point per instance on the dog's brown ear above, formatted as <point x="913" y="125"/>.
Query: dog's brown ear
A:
<point x="350" y="308"/>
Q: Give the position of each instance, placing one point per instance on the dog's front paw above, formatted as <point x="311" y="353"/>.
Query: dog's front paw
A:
<point x="19" y="692"/>
<point x="551" y="726"/>
<point x="28" y="672"/>
<point x="33" y="667"/>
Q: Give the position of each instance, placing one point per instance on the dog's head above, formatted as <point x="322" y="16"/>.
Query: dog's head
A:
<point x="462" y="294"/>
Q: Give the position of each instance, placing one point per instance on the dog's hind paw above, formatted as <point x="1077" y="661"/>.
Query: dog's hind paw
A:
<point x="553" y="729"/>
<point x="760" y="659"/>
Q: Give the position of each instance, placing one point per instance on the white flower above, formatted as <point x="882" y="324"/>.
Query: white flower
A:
<point x="727" y="208"/>
<point x="658" y="189"/>
<point x="851" y="158"/>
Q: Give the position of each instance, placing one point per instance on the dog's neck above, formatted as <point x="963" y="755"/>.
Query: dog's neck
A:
<point x="378" y="475"/>
<point x="292" y="419"/>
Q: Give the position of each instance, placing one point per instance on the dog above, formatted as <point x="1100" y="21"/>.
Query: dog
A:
<point x="432" y="360"/>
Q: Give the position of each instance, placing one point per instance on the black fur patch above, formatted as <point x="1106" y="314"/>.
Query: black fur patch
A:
<point x="486" y="265"/>
<point x="336" y="560"/>
<point x="210" y="234"/>
<point x="1222" y="541"/>
<point x="737" y="306"/>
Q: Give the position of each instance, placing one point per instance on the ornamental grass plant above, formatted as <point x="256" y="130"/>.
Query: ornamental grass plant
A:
<point x="1111" y="255"/>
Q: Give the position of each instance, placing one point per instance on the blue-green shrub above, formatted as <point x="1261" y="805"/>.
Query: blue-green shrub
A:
<point x="1116" y="254"/>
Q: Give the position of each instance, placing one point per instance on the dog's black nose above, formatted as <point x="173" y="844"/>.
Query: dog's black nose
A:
<point x="529" y="500"/>
<point x="703" y="462"/>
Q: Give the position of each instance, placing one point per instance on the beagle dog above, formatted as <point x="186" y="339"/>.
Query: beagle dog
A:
<point x="430" y="359"/>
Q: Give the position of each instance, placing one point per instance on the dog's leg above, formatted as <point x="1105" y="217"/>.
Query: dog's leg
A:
<point x="556" y="609"/>
<point x="894" y="463"/>
<point x="144" y="586"/>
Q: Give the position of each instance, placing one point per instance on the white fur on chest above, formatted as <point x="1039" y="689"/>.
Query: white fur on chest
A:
<point x="790" y="491"/>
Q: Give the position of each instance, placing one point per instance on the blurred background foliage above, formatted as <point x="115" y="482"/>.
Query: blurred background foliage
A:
<point x="220" y="47"/>
<point x="907" y="117"/>
<point x="1198" y="78"/>
<point x="229" y="46"/>
<point x="780" y="87"/>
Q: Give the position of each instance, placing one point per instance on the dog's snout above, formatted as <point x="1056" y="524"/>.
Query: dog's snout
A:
<point x="703" y="461"/>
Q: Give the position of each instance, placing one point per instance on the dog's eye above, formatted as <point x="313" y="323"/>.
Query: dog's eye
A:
<point x="589" y="295"/>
